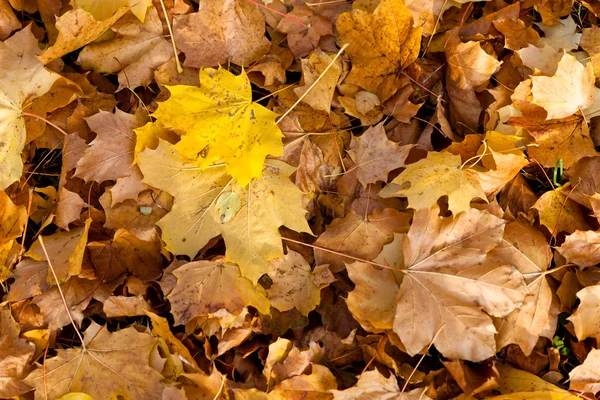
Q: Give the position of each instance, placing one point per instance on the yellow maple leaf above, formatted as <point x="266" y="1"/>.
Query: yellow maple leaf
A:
<point x="381" y="44"/>
<point x="221" y="123"/>
<point x="204" y="208"/>
<point x="104" y="9"/>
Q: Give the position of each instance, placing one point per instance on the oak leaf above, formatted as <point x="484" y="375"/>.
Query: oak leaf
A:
<point x="23" y="80"/>
<point x="375" y="155"/>
<point x="221" y="32"/>
<point x="251" y="236"/>
<point x="110" y="365"/>
<point x="221" y="123"/>
<point x="136" y="51"/>
<point x="440" y="174"/>
<point x="206" y="287"/>
<point x="569" y="90"/>
<point x="381" y="45"/>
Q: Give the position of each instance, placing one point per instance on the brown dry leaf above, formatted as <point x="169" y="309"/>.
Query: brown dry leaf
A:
<point x="136" y="51"/>
<point x="440" y="174"/>
<point x="295" y="285"/>
<point x="15" y="354"/>
<point x="381" y="45"/>
<point x="585" y="318"/>
<point x="8" y="21"/>
<point x="359" y="236"/>
<point x="321" y="93"/>
<point x="302" y="39"/>
<point x="221" y="32"/>
<point x="161" y="328"/>
<point x="110" y="365"/>
<point x="527" y="249"/>
<point x="375" y="155"/>
<point x="30" y="280"/>
<point x="469" y="68"/>
<point x="110" y="155"/>
<point x="68" y="208"/>
<point x="65" y="250"/>
<point x="552" y="10"/>
<point x="451" y="295"/>
<point x="317" y="385"/>
<point x="559" y="213"/>
<point x="473" y="380"/>
<point x="139" y="254"/>
<point x="76" y="28"/>
<point x="569" y="90"/>
<point x="567" y="139"/>
<point x="12" y="218"/>
<point x="590" y="42"/>
<point x="123" y="306"/>
<point x="582" y="248"/>
<point x="372" y="385"/>
<point x="204" y="288"/>
<point x="585" y="377"/>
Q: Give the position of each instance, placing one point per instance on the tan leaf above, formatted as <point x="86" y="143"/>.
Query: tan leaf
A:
<point x="15" y="354"/>
<point x="104" y="9"/>
<point x="558" y="213"/>
<point x="124" y="306"/>
<point x="136" y="51"/>
<point x="586" y="316"/>
<point x="205" y="287"/>
<point x="569" y="90"/>
<point x="110" y="155"/>
<point x="111" y="364"/>
<point x="585" y="377"/>
<point x="321" y="93"/>
<point x="68" y="208"/>
<point x="161" y="328"/>
<point x="293" y="284"/>
<point x="582" y="248"/>
<point x="76" y="28"/>
<point x="302" y="39"/>
<point x="65" y="250"/>
<point x="221" y="32"/>
<point x="381" y="44"/>
<point x="359" y="236"/>
<point x="375" y="155"/>
<point x="373" y="385"/>
<point x="30" y="280"/>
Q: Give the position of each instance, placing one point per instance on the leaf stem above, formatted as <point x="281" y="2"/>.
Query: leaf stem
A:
<point x="296" y="20"/>
<point x="52" y="124"/>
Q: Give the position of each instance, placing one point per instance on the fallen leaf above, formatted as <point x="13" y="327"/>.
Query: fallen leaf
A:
<point x="221" y="32"/>
<point x="585" y="316"/>
<point x="102" y="9"/>
<point x="585" y="377"/>
<point x="320" y="95"/>
<point x="109" y="364"/>
<point x="304" y="38"/>
<point x="373" y="385"/>
<point x="381" y="45"/>
<point x="124" y="306"/>
<point x="582" y="248"/>
<point x="15" y="354"/>
<point x="375" y="155"/>
<point x="221" y="123"/>
<point x="558" y="213"/>
<point x="561" y="36"/>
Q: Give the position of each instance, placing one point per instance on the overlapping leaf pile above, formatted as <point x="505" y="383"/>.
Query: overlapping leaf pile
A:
<point x="364" y="199"/>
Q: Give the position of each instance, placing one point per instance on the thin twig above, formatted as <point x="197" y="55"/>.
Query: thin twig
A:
<point x="52" y="124"/>
<point x="179" y="67"/>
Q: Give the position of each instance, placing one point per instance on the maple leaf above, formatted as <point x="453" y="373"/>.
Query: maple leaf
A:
<point x="320" y="95"/>
<point x="76" y="28"/>
<point x="136" y="51"/>
<point x="221" y="32"/>
<point x="585" y="316"/>
<point x="295" y="285"/>
<point x="221" y="123"/>
<point x="569" y="90"/>
<point x="559" y="213"/>
<point x="451" y="294"/>
<point x="12" y="218"/>
<point x="381" y="44"/>
<point x="358" y="236"/>
<point x="110" y="364"/>
<point x="585" y="377"/>
<point x="373" y="385"/>
<point x="103" y="9"/>
<point x="23" y="80"/>
<point x="206" y="287"/>
<point x="375" y="155"/>
<point x="110" y="155"/>
<point x="15" y="353"/>
<point x="440" y="174"/>
<point x="582" y="248"/>
<point x="251" y="235"/>
<point x="304" y="38"/>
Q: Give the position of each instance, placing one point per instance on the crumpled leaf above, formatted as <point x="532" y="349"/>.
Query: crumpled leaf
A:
<point x="381" y="45"/>
<point x="221" y="123"/>
<point x="375" y="155"/>
<point x="23" y="80"/>
<point x="569" y="90"/>
<point x="111" y="364"/>
<point x="15" y="354"/>
<point x="251" y="237"/>
<point x="220" y="32"/>
<point x="582" y="248"/>
<point x="373" y="385"/>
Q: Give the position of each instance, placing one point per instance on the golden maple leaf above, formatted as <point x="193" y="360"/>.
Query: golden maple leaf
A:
<point x="210" y="203"/>
<point x="221" y="123"/>
<point x="381" y="44"/>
